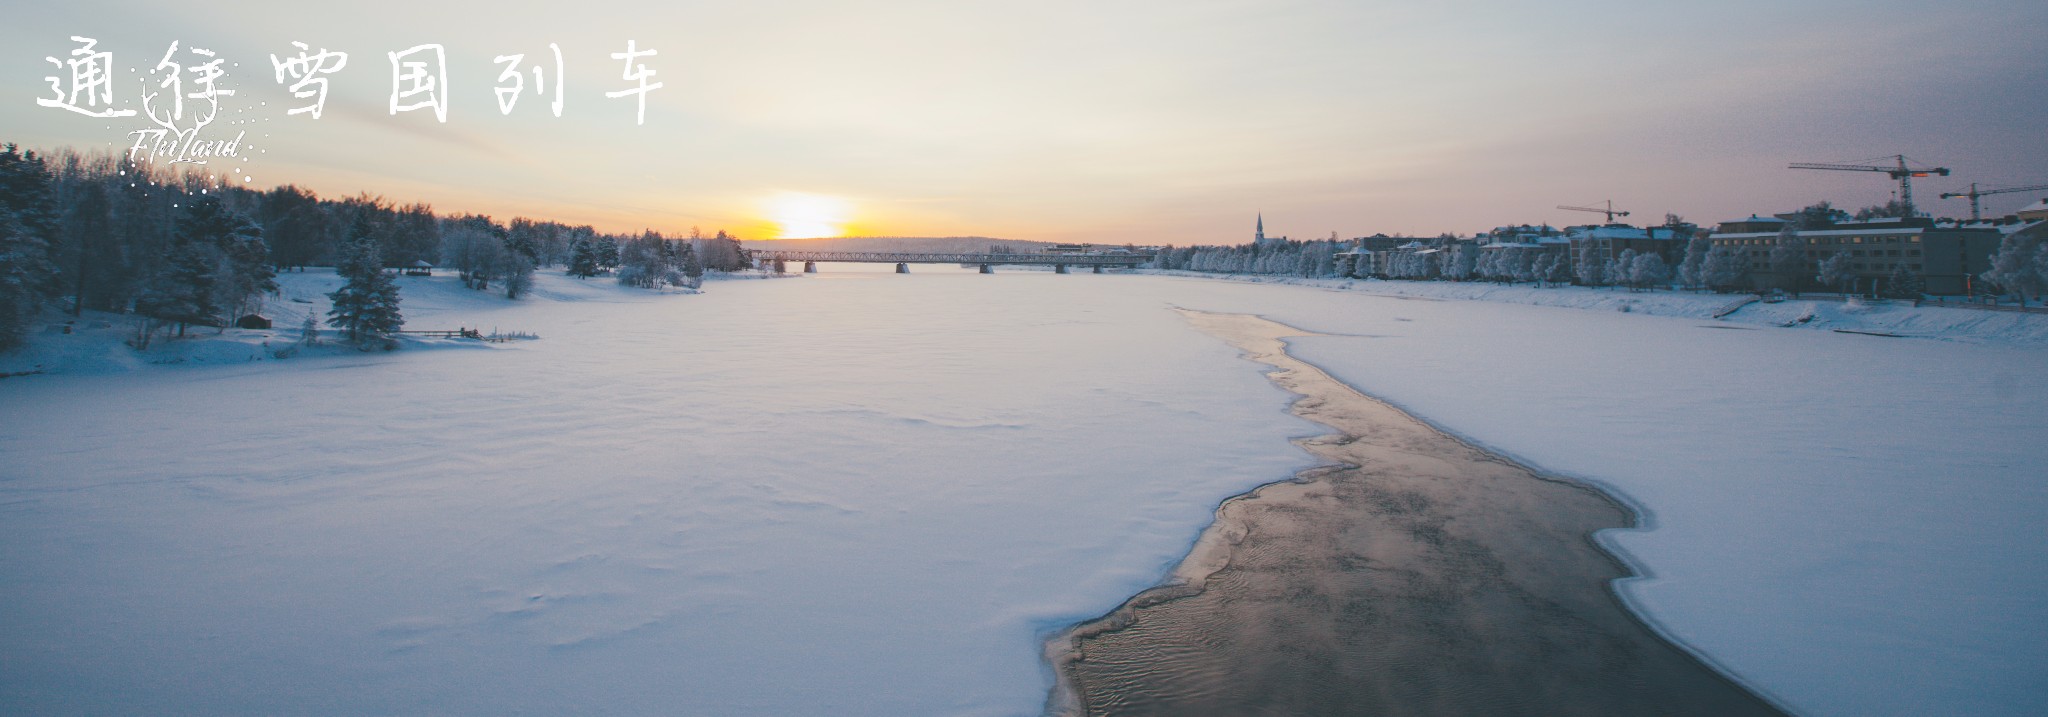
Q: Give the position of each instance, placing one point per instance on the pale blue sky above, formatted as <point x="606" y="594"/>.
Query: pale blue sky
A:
<point x="1117" y="121"/>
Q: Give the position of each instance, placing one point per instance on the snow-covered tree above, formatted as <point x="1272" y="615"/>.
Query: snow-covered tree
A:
<point x="1889" y="209"/>
<point x="294" y="226"/>
<point x="483" y="252"/>
<point x="1591" y="266"/>
<point x="184" y="289"/>
<point x="234" y="245"/>
<point x="1835" y="272"/>
<point x="366" y="307"/>
<point x="1818" y="216"/>
<point x="1486" y="265"/>
<point x="27" y="212"/>
<point x="721" y="252"/>
<point x="692" y="265"/>
<point x="582" y="258"/>
<point x="411" y="233"/>
<point x="22" y="270"/>
<point x="1788" y="259"/>
<point x="652" y="262"/>
<point x="1724" y="268"/>
<point x="1560" y="271"/>
<point x="1648" y="269"/>
<point x="2017" y="266"/>
<point x="1617" y="267"/>
<point x="1693" y="271"/>
<point x="524" y="238"/>
<point x="1464" y="260"/>
<point x="1904" y="284"/>
<point x="518" y="273"/>
<point x="472" y="246"/>
<point x="2041" y="262"/>
<point x="1525" y="264"/>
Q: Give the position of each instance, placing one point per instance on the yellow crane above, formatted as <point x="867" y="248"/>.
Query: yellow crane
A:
<point x="1899" y="170"/>
<point x="1974" y="193"/>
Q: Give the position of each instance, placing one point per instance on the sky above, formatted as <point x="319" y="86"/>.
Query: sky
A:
<point x="1101" y="121"/>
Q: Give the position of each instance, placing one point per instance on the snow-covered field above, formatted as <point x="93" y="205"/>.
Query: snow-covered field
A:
<point x="863" y="493"/>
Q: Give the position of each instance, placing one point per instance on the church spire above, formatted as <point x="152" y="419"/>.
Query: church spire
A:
<point x="1260" y="235"/>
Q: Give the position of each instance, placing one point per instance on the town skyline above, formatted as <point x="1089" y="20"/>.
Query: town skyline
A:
<point x="1142" y="124"/>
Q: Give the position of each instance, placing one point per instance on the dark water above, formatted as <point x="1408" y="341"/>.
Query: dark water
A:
<point x="1430" y="579"/>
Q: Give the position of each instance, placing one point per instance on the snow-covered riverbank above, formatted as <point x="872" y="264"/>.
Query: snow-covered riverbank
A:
<point x="865" y="493"/>
<point x="1830" y="313"/>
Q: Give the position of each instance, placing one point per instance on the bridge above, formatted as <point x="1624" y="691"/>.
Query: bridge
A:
<point x="987" y="262"/>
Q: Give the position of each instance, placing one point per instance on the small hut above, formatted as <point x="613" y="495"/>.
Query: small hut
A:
<point x="253" y="321"/>
<point x="420" y="267"/>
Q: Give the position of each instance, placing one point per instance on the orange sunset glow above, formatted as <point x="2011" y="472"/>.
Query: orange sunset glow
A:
<point x="798" y="215"/>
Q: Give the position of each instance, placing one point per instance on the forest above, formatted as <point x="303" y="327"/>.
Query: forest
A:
<point x="96" y="231"/>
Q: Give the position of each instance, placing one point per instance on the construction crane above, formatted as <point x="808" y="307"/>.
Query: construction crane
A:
<point x="1974" y="193"/>
<point x="1610" y="211"/>
<point x="1899" y="171"/>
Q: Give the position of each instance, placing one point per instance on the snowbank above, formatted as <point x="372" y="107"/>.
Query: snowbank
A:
<point x="100" y="342"/>
<point x="1900" y="318"/>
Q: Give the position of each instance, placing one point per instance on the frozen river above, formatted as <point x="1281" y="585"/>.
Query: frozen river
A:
<point x="864" y="493"/>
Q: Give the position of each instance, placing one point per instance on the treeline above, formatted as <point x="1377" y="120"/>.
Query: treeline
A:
<point x="1591" y="265"/>
<point x="1288" y="257"/>
<point x="96" y="231"/>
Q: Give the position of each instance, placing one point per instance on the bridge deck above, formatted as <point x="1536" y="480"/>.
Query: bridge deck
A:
<point x="882" y="257"/>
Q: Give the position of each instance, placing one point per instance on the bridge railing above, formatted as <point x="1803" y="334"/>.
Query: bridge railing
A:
<point x="878" y="257"/>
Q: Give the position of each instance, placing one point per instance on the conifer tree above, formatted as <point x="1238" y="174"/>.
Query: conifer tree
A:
<point x="22" y="267"/>
<point x="182" y="290"/>
<point x="366" y="308"/>
<point x="693" y="268"/>
<point x="27" y="216"/>
<point x="582" y="258"/>
<point x="243" y="272"/>
<point x="1903" y="284"/>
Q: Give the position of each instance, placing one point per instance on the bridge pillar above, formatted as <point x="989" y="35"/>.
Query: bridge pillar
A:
<point x="986" y="269"/>
<point x="1059" y="268"/>
<point x="810" y="267"/>
<point x="780" y="267"/>
<point x="902" y="268"/>
<point x="1098" y="268"/>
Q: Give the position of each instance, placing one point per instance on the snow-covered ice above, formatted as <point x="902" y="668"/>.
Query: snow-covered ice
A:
<point x="864" y="493"/>
<point x="842" y="494"/>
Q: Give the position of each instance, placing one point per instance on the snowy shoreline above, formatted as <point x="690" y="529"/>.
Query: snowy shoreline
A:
<point x="1362" y="555"/>
<point x="1900" y="319"/>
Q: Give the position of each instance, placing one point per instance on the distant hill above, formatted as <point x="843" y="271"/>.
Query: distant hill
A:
<point x="935" y="245"/>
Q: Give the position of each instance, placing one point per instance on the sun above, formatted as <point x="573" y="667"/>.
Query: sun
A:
<point x="808" y="216"/>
